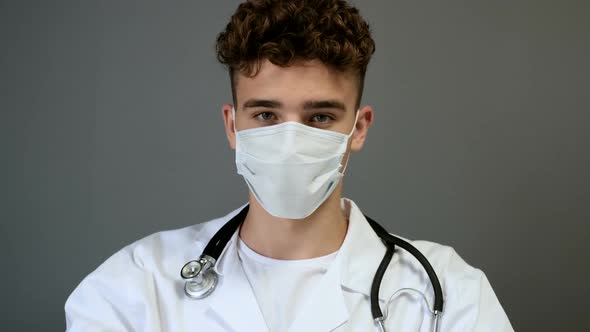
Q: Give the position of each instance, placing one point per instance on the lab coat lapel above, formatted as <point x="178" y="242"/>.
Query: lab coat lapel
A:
<point x="325" y="308"/>
<point x="363" y="251"/>
<point x="233" y="304"/>
<point x="353" y="268"/>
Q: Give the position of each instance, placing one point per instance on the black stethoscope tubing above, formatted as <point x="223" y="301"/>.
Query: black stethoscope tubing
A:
<point x="390" y="242"/>
<point x="218" y="242"/>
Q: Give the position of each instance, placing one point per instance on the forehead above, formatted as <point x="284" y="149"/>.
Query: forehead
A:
<point x="297" y="83"/>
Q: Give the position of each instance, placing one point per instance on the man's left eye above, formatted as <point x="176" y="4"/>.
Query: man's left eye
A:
<point x="320" y="118"/>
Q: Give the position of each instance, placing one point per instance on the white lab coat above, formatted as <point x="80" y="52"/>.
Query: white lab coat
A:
<point x="139" y="288"/>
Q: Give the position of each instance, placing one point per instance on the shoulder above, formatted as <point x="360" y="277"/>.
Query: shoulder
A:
<point x="128" y="281"/>
<point x="447" y="262"/>
<point x="159" y="251"/>
<point x="455" y="274"/>
<point x="468" y="294"/>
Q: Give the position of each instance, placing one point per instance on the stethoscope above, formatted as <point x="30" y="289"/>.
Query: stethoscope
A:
<point x="201" y="278"/>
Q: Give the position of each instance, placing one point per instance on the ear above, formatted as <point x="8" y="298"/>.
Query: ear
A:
<point x="365" y="119"/>
<point x="228" y="121"/>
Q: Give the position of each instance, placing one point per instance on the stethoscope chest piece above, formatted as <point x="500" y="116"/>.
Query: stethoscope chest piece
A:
<point x="200" y="277"/>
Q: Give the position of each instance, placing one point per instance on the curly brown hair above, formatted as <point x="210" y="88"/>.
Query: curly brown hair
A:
<point x="331" y="31"/>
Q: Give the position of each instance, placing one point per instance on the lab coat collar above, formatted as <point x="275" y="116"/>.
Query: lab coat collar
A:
<point x="360" y="241"/>
<point x="233" y="303"/>
<point x="353" y="270"/>
<point x="229" y="255"/>
<point x="361" y="251"/>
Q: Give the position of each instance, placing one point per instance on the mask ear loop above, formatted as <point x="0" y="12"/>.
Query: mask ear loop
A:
<point x="233" y="111"/>
<point x="356" y="118"/>
<point x="349" y="136"/>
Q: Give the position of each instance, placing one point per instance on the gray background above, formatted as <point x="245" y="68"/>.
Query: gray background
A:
<point x="111" y="130"/>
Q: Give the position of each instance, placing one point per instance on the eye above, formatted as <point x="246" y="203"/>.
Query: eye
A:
<point x="321" y="118"/>
<point x="265" y="116"/>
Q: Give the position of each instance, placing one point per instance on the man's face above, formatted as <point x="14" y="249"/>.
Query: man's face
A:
<point x="307" y="92"/>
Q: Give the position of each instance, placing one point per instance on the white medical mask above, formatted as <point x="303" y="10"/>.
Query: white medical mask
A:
<point x="291" y="168"/>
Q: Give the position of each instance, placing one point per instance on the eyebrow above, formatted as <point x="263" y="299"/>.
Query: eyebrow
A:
<point x="319" y="104"/>
<point x="251" y="103"/>
<point x="307" y="106"/>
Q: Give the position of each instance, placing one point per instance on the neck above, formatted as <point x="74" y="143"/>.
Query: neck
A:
<point x="319" y="234"/>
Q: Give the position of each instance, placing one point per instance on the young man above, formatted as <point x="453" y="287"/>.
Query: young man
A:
<point x="301" y="258"/>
